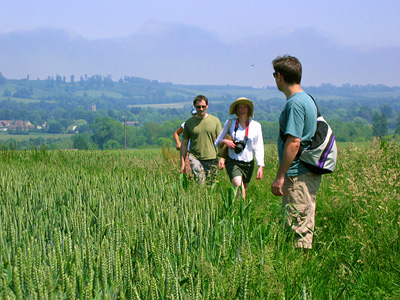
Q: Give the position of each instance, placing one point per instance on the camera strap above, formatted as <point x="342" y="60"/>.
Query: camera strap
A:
<point x="247" y="129"/>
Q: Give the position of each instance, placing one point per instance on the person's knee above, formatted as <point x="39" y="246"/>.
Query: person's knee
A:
<point x="237" y="181"/>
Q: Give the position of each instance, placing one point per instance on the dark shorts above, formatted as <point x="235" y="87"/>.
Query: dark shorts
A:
<point x="236" y="168"/>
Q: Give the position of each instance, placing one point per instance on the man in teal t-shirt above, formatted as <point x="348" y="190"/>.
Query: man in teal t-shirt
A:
<point x="294" y="182"/>
<point x="202" y="130"/>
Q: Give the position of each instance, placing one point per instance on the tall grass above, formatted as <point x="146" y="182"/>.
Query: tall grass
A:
<point x="126" y="225"/>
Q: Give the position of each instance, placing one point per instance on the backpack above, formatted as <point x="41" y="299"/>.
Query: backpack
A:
<point x="320" y="157"/>
<point x="223" y="151"/>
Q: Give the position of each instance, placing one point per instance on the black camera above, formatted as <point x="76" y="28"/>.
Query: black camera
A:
<point x="240" y="145"/>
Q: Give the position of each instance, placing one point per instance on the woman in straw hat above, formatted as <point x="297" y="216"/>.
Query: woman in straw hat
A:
<point x="246" y="145"/>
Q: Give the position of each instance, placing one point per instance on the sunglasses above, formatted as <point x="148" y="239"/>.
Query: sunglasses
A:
<point x="275" y="74"/>
<point x="200" y="106"/>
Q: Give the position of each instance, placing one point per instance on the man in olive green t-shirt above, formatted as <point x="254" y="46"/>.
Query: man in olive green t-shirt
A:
<point x="202" y="131"/>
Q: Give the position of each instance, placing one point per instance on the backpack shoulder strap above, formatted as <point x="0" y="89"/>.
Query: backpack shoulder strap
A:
<point x="318" y="112"/>
<point x="229" y="124"/>
<point x="284" y="137"/>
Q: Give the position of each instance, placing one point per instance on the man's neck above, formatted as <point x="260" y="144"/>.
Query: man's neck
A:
<point x="202" y="117"/>
<point x="290" y="90"/>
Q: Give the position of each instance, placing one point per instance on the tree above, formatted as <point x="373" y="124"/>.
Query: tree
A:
<point x="387" y="110"/>
<point x="55" y="127"/>
<point x="106" y="129"/>
<point x="397" y="131"/>
<point x="366" y="113"/>
<point x="35" y="118"/>
<point x="270" y="130"/>
<point x="58" y="79"/>
<point x="81" y="141"/>
<point x="134" y="137"/>
<point x="23" y="93"/>
<point x="111" y="144"/>
<point x="2" y="79"/>
<point x="380" y="125"/>
<point x="83" y="128"/>
<point x="151" y="131"/>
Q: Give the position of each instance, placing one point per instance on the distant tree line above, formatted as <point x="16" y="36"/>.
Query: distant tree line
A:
<point x="108" y="133"/>
<point x="66" y="107"/>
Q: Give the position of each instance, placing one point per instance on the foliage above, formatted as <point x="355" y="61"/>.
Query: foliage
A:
<point x="82" y="142"/>
<point x="2" y="79"/>
<point x="105" y="130"/>
<point x="380" y="125"/>
<point x="159" y="108"/>
<point x="126" y="225"/>
<point x="397" y="131"/>
<point x="55" y="127"/>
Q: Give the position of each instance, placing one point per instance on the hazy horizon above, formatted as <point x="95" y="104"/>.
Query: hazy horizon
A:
<point x="212" y="42"/>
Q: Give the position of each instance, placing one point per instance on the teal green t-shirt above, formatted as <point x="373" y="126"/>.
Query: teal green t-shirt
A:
<point x="202" y="134"/>
<point x="299" y="119"/>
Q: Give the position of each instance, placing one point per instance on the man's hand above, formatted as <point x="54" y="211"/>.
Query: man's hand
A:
<point x="183" y="152"/>
<point x="183" y="170"/>
<point x="292" y="146"/>
<point x="276" y="186"/>
<point x="221" y="163"/>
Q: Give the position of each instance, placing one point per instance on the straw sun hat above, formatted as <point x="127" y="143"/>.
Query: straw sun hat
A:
<point x="242" y="100"/>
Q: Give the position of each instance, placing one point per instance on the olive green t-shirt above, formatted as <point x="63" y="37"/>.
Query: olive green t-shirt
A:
<point x="202" y="134"/>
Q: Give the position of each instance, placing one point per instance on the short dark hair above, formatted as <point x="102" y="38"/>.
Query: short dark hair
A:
<point x="289" y="67"/>
<point x="200" y="98"/>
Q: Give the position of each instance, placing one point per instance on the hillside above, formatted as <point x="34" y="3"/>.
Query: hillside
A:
<point x="59" y="105"/>
<point x="130" y="91"/>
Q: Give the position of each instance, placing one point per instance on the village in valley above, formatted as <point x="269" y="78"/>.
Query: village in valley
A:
<point x="11" y="125"/>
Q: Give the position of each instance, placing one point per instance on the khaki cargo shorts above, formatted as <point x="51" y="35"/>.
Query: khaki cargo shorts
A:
<point x="298" y="206"/>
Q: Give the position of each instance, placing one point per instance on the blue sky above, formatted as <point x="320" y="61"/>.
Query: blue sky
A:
<point x="363" y="26"/>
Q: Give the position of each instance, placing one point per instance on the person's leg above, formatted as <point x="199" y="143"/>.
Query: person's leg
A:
<point x="240" y="173"/>
<point x="298" y="206"/>
<point x="197" y="169"/>
<point x="238" y="182"/>
<point x="234" y="173"/>
<point x="247" y="170"/>
<point x="210" y="168"/>
<point x="187" y="164"/>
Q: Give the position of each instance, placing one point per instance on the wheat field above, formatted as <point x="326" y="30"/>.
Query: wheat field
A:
<point x="127" y="225"/>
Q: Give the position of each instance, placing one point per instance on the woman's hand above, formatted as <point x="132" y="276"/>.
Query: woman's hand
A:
<point x="260" y="172"/>
<point x="229" y="143"/>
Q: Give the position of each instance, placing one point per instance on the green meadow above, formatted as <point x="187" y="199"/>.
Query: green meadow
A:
<point x="127" y="225"/>
<point x="27" y="137"/>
